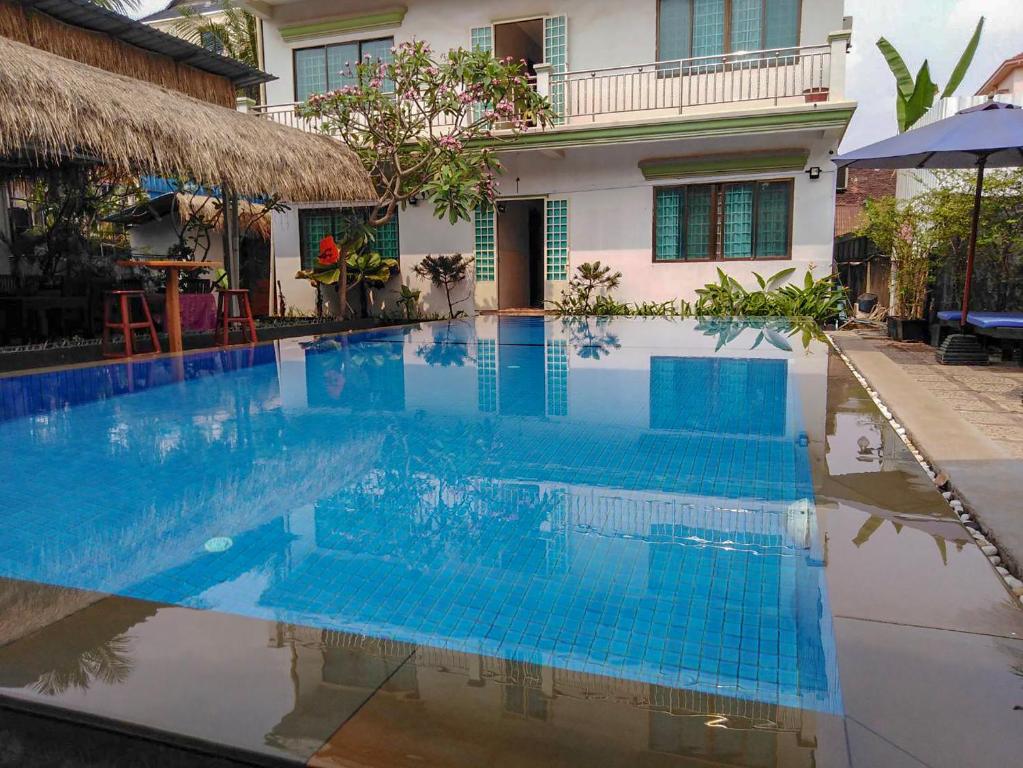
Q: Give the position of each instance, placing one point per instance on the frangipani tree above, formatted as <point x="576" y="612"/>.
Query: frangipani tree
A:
<point x="425" y="126"/>
<point x="914" y="97"/>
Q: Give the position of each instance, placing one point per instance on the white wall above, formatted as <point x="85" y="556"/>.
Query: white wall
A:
<point x="600" y="34"/>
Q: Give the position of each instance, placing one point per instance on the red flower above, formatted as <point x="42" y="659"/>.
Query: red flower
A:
<point x="329" y="253"/>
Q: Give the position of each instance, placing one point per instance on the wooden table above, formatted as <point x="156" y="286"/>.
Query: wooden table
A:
<point x="172" y="296"/>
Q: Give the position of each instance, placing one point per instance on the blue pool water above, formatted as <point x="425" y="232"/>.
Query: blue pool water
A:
<point x="629" y="498"/>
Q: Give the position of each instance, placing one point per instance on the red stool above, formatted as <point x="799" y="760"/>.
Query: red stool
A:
<point x="122" y="300"/>
<point x="226" y="318"/>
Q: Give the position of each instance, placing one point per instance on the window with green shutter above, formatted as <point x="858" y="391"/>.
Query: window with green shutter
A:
<point x="732" y="221"/>
<point x="314" y="224"/>
<point x="328" y="67"/>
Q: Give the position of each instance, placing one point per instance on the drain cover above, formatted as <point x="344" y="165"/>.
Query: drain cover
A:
<point x="219" y="544"/>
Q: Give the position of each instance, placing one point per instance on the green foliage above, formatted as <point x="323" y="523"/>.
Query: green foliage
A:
<point x="232" y="26"/>
<point x="946" y="210"/>
<point x="408" y="300"/>
<point x="423" y="125"/>
<point x="902" y="231"/>
<point x="446" y="272"/>
<point x="913" y="98"/>
<point x="591" y="284"/>
<point x="819" y="300"/>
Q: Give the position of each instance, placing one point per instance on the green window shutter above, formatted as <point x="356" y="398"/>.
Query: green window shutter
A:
<point x="746" y="25"/>
<point x="386" y="242"/>
<point x="782" y="23"/>
<point x="555" y="53"/>
<point x="486" y="244"/>
<point x="669" y="212"/>
<point x="310" y="72"/>
<point x="738" y="221"/>
<point x="774" y="210"/>
<point x="557" y="239"/>
<point x="708" y="27"/>
<point x="675" y="30"/>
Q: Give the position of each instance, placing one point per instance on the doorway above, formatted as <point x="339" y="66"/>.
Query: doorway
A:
<point x="522" y="40"/>
<point x="520" y="254"/>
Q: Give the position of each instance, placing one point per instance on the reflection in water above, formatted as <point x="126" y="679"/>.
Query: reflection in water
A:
<point x="646" y="516"/>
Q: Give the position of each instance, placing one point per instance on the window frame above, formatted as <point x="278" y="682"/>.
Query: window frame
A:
<point x="303" y="251"/>
<point x="715" y="246"/>
<point x="294" y="58"/>
<point x="726" y="33"/>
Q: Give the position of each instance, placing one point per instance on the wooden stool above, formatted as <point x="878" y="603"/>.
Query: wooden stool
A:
<point x="124" y="324"/>
<point x="226" y="318"/>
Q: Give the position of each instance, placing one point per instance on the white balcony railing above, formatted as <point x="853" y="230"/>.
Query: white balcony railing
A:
<point x="694" y="86"/>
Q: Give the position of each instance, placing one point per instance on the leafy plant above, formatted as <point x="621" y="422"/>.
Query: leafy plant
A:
<point x="408" y="300"/>
<point x="424" y="125"/>
<point x="914" y="97"/>
<point x="355" y="237"/>
<point x="902" y="230"/>
<point x="820" y="300"/>
<point x="368" y="270"/>
<point x="446" y="272"/>
<point x="591" y="282"/>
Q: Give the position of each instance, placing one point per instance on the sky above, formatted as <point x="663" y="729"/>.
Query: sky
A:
<point x="936" y="30"/>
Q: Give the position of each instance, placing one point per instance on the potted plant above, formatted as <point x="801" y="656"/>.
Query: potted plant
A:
<point x="901" y="230"/>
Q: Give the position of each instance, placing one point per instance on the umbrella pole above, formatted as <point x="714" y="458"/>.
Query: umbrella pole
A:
<point x="971" y="251"/>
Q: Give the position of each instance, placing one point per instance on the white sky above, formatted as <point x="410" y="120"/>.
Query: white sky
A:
<point x="933" y="29"/>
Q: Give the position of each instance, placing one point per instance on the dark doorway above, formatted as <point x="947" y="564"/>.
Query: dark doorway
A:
<point x="522" y="40"/>
<point x="520" y="279"/>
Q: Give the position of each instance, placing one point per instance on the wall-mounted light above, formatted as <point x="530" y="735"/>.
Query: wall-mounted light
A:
<point x="814" y="172"/>
<point x="414" y="200"/>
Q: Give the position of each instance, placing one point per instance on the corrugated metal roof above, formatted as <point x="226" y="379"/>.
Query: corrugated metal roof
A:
<point x="87" y="15"/>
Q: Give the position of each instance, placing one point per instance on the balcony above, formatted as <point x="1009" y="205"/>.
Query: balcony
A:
<point x="694" y="87"/>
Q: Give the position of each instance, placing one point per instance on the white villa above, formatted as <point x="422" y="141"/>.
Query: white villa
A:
<point x="693" y="134"/>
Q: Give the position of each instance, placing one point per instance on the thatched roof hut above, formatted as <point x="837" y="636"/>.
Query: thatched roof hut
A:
<point x="78" y="87"/>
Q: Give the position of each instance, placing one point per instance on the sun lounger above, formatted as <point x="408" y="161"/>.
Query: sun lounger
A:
<point x="1006" y="327"/>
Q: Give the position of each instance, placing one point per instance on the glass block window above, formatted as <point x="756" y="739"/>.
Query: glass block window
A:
<point x="773" y="204"/>
<point x="708" y="27"/>
<point x="557" y="239"/>
<point x="314" y="224"/>
<point x="555" y="53"/>
<point x="712" y="27"/>
<point x="747" y="25"/>
<point x="737" y="237"/>
<point x="486" y="244"/>
<point x="482" y="38"/>
<point x="557" y="377"/>
<point x="723" y="221"/>
<point x="486" y="375"/>
<point x="323" y="68"/>
<point x="670" y="205"/>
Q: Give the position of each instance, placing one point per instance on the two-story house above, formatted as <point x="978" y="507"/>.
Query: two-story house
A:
<point x="692" y="135"/>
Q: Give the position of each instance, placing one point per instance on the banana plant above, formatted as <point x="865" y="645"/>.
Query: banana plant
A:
<point x="408" y="300"/>
<point x="915" y="96"/>
<point x="367" y="270"/>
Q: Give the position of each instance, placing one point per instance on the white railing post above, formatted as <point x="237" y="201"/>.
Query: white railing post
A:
<point x="838" y="41"/>
<point x="543" y="79"/>
<point x="244" y="104"/>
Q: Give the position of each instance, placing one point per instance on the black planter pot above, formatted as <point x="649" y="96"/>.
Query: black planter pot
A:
<point x="905" y="329"/>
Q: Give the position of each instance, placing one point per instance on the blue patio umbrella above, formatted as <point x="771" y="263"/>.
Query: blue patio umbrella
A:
<point x="986" y="136"/>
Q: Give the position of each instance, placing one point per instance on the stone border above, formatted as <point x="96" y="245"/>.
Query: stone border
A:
<point x="940" y="480"/>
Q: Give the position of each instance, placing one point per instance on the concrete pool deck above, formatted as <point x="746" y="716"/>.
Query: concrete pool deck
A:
<point x="968" y="422"/>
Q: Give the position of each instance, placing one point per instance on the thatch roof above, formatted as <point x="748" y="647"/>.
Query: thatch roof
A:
<point x="82" y="31"/>
<point x="55" y="108"/>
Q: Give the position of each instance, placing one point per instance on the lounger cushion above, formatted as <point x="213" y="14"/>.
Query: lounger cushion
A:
<point x="986" y="319"/>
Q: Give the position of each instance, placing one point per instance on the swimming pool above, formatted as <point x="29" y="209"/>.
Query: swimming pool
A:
<point x="629" y="498"/>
